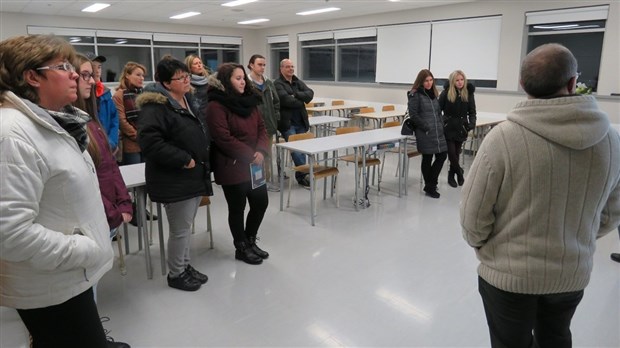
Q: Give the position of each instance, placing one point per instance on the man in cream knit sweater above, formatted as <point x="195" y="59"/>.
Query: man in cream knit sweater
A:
<point x="543" y="187"/>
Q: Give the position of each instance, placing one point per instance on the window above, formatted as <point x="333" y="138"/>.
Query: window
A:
<point x="344" y="55"/>
<point x="581" y="30"/>
<point x="178" y="46"/>
<point x="278" y="50"/>
<point x="215" y="50"/>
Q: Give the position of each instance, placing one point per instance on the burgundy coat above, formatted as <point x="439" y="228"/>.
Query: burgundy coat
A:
<point x="235" y="141"/>
<point x="114" y="193"/>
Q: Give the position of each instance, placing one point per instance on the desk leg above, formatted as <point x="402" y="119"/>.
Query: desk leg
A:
<point x="142" y="228"/>
<point x="162" y="246"/>
<point x="403" y="147"/>
<point x="356" y="198"/>
<point x="312" y="188"/>
<point x="279" y="154"/>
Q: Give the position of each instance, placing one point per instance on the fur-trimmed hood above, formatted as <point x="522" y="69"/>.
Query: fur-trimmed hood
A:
<point x="157" y="94"/>
<point x="214" y="83"/>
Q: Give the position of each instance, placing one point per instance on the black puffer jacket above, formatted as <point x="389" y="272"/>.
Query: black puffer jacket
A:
<point x="459" y="117"/>
<point x="425" y="113"/>
<point x="293" y="98"/>
<point x="170" y="136"/>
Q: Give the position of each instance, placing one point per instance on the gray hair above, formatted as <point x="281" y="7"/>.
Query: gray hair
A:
<point x="547" y="69"/>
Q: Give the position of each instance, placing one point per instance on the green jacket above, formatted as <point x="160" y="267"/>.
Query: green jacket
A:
<point x="270" y="108"/>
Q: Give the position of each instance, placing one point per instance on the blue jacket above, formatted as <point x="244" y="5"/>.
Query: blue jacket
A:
<point x="108" y="117"/>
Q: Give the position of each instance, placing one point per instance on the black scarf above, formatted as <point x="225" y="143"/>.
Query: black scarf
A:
<point x="241" y="105"/>
<point x="73" y="120"/>
<point x="429" y="92"/>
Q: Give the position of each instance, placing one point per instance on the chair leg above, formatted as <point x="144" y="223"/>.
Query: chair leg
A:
<point x="120" y="253"/>
<point x="290" y="187"/>
<point x="151" y="222"/>
<point x="337" y="195"/>
<point x="209" y="227"/>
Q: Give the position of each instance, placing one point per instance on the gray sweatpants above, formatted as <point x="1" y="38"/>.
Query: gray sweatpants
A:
<point x="180" y="218"/>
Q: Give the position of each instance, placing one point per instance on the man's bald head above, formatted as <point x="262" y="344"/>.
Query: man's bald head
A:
<point x="547" y="70"/>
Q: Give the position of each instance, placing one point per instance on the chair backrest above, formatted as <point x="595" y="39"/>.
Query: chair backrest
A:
<point x="300" y="136"/>
<point x="337" y="102"/>
<point x="391" y="124"/>
<point x="345" y="130"/>
<point x="388" y="108"/>
<point x="310" y="105"/>
<point x="366" y="110"/>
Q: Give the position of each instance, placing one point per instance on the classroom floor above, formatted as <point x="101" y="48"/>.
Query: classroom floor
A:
<point x="396" y="274"/>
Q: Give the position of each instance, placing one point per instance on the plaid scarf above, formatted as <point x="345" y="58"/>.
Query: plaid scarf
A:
<point x="129" y="102"/>
<point x="73" y="120"/>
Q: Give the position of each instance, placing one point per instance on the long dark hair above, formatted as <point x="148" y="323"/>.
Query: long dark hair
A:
<point x="224" y="73"/>
<point x="419" y="81"/>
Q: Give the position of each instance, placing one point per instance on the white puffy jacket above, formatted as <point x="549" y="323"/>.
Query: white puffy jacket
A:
<point x="54" y="237"/>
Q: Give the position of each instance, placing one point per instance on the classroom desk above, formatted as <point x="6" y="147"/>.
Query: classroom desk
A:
<point x="321" y="123"/>
<point x="339" y="108"/>
<point x="133" y="175"/>
<point x="379" y="117"/>
<point x="485" y="121"/>
<point x="312" y="147"/>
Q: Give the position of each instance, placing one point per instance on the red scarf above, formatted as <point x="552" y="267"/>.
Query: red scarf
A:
<point x="99" y="88"/>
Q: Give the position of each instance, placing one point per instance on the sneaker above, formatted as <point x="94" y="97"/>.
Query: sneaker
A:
<point x="273" y="187"/>
<point x="184" y="282"/>
<point x="615" y="257"/>
<point x="432" y="192"/>
<point x="202" y="278"/>
<point x="110" y="343"/>
<point x="304" y="182"/>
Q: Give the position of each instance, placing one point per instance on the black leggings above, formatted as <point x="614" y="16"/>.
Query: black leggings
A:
<point x="74" y="323"/>
<point x="236" y="196"/>
<point x="431" y="170"/>
<point x="454" y="151"/>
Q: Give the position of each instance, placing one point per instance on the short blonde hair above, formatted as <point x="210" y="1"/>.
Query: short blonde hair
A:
<point x="128" y="70"/>
<point x="22" y="53"/>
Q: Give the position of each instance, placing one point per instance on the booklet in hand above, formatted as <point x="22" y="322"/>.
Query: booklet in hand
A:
<point x="257" y="175"/>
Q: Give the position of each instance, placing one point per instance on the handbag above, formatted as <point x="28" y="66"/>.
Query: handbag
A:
<point x="408" y="127"/>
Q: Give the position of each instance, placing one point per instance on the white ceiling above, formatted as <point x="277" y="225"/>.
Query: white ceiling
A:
<point x="280" y="12"/>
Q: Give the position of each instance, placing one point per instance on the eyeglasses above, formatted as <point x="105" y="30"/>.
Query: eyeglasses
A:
<point x="86" y="76"/>
<point x="64" y="66"/>
<point x="182" y="78"/>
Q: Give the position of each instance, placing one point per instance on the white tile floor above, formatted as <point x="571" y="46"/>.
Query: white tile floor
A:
<point x="397" y="274"/>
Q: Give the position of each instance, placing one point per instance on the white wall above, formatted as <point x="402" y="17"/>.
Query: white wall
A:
<point x="512" y="46"/>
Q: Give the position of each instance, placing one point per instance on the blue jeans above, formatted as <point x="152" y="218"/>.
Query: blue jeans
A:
<point x="298" y="158"/>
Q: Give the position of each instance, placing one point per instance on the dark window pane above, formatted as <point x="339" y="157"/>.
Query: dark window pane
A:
<point x="118" y="56"/>
<point x="318" y="63"/>
<point x="276" y="57"/>
<point x="586" y="47"/>
<point x="178" y="53"/>
<point x="358" y="63"/>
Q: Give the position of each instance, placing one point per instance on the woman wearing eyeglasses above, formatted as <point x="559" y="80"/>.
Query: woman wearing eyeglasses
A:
<point x="54" y="237"/>
<point x="176" y="147"/>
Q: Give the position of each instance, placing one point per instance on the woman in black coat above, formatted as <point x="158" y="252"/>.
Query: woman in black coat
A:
<point x="175" y="144"/>
<point x="425" y="113"/>
<point x="459" y="113"/>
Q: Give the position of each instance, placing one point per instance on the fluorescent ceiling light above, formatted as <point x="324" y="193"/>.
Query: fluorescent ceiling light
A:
<point x="321" y="10"/>
<point x="95" y="8"/>
<point x="75" y="39"/>
<point x="238" y="3"/>
<point x="253" y="21"/>
<point x="563" y="26"/>
<point x="120" y="41"/>
<point x="185" y="15"/>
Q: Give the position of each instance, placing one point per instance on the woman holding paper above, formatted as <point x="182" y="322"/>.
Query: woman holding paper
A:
<point x="240" y="146"/>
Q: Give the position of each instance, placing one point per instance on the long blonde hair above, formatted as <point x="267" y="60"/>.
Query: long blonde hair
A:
<point x="189" y="60"/>
<point x="452" y="89"/>
<point x="129" y="68"/>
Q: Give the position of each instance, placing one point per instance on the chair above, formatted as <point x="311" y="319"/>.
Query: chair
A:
<point x="319" y="171"/>
<point x="206" y="201"/>
<point x="388" y="108"/>
<point x="337" y="102"/>
<point x="310" y="105"/>
<point x="410" y="153"/>
<point x="366" y="110"/>
<point x="370" y="161"/>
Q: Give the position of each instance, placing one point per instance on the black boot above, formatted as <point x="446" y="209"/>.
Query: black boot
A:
<point x="451" y="181"/>
<point x="431" y="192"/>
<point x="459" y="177"/>
<point x="258" y="251"/>
<point x="245" y="253"/>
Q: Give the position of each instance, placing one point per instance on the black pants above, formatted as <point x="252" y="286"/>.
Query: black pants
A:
<point x="236" y="196"/>
<point x="431" y="170"/>
<point x="512" y="317"/>
<point x="454" y="151"/>
<point x="74" y="323"/>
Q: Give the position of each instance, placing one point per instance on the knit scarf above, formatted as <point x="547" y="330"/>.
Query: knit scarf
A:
<point x="129" y="102"/>
<point x="74" y="121"/>
<point x="241" y="105"/>
<point x="199" y="80"/>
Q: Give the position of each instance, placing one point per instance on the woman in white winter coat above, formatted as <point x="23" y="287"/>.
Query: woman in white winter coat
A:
<point x="54" y="236"/>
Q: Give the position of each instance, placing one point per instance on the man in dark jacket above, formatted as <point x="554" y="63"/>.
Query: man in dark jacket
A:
<point x="293" y="94"/>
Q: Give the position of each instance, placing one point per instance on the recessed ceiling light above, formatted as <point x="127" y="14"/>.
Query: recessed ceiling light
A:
<point x="321" y="10"/>
<point x="95" y="7"/>
<point x="254" y="21"/>
<point x="75" y="39"/>
<point x="120" y="41"/>
<point x="185" y="15"/>
<point x="238" y="3"/>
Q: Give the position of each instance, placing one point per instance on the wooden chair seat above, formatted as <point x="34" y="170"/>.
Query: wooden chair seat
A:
<point x="370" y="161"/>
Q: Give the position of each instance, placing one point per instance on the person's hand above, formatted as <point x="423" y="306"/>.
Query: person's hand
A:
<point x="126" y="217"/>
<point x="258" y="158"/>
<point x="190" y="165"/>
